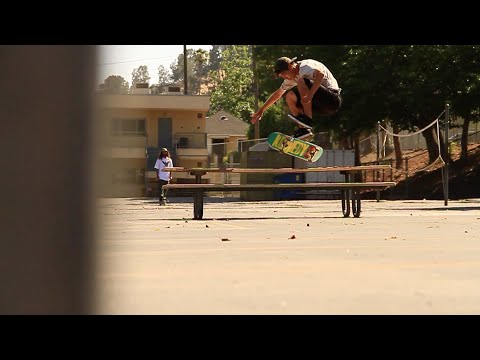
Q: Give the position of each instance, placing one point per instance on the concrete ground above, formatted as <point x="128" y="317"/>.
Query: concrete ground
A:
<point x="288" y="257"/>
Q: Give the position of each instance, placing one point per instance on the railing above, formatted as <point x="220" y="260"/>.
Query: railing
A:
<point x="472" y="137"/>
<point x="245" y="145"/>
<point x="378" y="174"/>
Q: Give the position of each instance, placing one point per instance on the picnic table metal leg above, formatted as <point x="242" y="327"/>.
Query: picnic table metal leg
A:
<point x="198" y="205"/>
<point x="345" y="203"/>
<point x="346" y="196"/>
<point x="356" y="203"/>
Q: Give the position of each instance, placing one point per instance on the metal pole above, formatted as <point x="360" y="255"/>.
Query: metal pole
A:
<point x="447" y="119"/>
<point x="378" y="142"/>
<point x="255" y="81"/>
<point x="185" y="72"/>
<point x="406" y="177"/>
<point x="378" y="157"/>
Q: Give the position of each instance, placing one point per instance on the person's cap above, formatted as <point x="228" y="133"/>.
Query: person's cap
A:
<point x="281" y="64"/>
<point x="164" y="149"/>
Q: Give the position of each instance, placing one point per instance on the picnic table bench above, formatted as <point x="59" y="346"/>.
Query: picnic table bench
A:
<point x="350" y="191"/>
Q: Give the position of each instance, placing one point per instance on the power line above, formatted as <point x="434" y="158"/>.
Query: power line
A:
<point x="127" y="61"/>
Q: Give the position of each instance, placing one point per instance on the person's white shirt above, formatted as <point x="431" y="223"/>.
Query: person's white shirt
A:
<point x="306" y="70"/>
<point x="160" y="164"/>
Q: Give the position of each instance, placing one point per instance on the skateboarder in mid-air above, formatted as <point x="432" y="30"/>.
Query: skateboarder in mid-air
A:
<point x="308" y="85"/>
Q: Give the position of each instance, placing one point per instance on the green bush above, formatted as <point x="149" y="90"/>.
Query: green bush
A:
<point x="452" y="147"/>
<point x="236" y="157"/>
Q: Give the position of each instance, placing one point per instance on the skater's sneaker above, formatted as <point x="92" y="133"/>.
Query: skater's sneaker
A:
<point x="302" y="120"/>
<point x="303" y="134"/>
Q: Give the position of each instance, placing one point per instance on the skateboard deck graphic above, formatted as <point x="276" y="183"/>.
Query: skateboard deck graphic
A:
<point x="294" y="147"/>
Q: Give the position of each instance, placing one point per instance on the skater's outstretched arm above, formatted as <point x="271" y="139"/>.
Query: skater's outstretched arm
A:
<point x="270" y="101"/>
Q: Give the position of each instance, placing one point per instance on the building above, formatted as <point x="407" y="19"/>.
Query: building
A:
<point x="224" y="131"/>
<point x="134" y="127"/>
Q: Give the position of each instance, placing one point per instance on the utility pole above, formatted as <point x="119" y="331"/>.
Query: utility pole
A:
<point x="185" y="72"/>
<point x="377" y="172"/>
<point x="447" y="154"/>
<point x="255" y="84"/>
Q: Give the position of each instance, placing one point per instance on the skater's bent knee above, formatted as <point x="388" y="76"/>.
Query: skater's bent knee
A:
<point x="291" y="96"/>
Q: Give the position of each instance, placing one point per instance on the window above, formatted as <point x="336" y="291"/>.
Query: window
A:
<point x="219" y="147"/>
<point x="174" y="89"/>
<point x="183" y="142"/>
<point x="128" y="127"/>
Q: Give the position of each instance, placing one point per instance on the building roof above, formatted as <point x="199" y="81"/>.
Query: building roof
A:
<point x="224" y="123"/>
<point x="150" y="101"/>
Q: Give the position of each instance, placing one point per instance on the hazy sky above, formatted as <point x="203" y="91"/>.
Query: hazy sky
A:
<point x="122" y="59"/>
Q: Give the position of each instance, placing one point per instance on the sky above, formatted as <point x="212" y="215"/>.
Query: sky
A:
<point x="122" y="59"/>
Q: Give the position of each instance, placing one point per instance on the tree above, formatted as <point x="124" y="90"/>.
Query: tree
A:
<point x="368" y="81"/>
<point x="215" y="57"/>
<point x="164" y="77"/>
<point x="463" y="67"/>
<point x="177" y="68"/>
<point x="200" y="59"/>
<point x="197" y="69"/>
<point x="406" y="84"/>
<point x="115" y="84"/>
<point x="233" y="91"/>
<point x="140" y="75"/>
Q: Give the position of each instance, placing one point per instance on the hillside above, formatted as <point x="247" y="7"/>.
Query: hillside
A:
<point x="425" y="182"/>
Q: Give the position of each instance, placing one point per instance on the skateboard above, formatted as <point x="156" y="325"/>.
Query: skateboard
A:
<point x="295" y="147"/>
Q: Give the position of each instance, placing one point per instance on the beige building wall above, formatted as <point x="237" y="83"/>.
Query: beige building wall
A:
<point x="159" y="102"/>
<point x="182" y="122"/>
<point x="189" y="122"/>
<point x="122" y="155"/>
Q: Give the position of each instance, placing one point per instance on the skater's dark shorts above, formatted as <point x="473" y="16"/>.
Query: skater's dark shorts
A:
<point x="324" y="102"/>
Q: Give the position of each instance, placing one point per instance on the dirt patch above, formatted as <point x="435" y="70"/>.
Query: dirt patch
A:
<point x="419" y="180"/>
